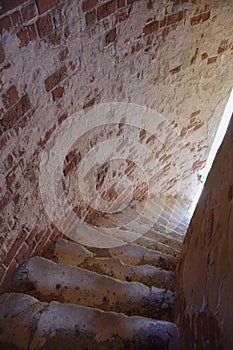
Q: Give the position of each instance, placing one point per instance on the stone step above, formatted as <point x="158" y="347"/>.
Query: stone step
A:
<point x="141" y="226"/>
<point x="133" y="254"/>
<point x="70" y="253"/>
<point x="49" y="281"/>
<point x="26" y="323"/>
<point x="156" y="244"/>
<point x="158" y="236"/>
<point x="173" y="223"/>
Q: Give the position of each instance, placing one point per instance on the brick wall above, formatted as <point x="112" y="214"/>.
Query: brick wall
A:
<point x="57" y="57"/>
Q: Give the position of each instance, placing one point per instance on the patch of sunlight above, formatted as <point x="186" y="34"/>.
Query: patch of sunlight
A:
<point x="203" y="173"/>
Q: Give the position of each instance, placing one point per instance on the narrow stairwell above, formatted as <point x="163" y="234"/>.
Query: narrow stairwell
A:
<point x="77" y="297"/>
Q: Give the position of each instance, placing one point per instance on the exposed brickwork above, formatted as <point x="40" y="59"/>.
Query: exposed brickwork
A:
<point x="106" y="9"/>
<point x="55" y="78"/>
<point x="5" y="25"/>
<point x="29" y="12"/>
<point x="45" y="5"/>
<point x="10" y="97"/>
<point x="9" y="5"/>
<point x="45" y="25"/>
<point x="90" y="17"/>
<point x="110" y="36"/>
<point x="55" y="62"/>
<point x="15" y="113"/>
<point x="88" y="5"/>
<point x="27" y="34"/>
<point x="151" y="27"/>
<point x="2" y="54"/>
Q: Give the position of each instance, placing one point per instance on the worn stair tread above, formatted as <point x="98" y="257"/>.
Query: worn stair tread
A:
<point x="64" y="252"/>
<point x="27" y="323"/>
<point x="134" y="254"/>
<point x="50" y="281"/>
<point x="130" y="254"/>
<point x="172" y="239"/>
<point x="162" y="247"/>
<point x="157" y="235"/>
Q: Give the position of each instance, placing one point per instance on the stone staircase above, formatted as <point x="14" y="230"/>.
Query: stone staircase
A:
<point x="77" y="297"/>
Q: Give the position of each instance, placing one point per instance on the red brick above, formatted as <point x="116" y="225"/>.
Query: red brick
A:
<point x="165" y="32"/>
<point x="8" y="276"/>
<point x="5" y="25"/>
<point x="16" y="112"/>
<point x="4" y="201"/>
<point x="174" y="18"/>
<point x="16" y="245"/>
<point x="122" y="16"/>
<point x="162" y="23"/>
<point x="90" y="103"/>
<point x="2" y="270"/>
<point x="194" y="114"/>
<point x="137" y="47"/>
<point x="175" y="70"/>
<point x="45" y="5"/>
<point x="121" y="3"/>
<point x="45" y="25"/>
<point x="110" y="37"/>
<point x="10" y="178"/>
<point x="205" y="16"/>
<point x="106" y="9"/>
<point x="16" y="19"/>
<point x="90" y="17"/>
<point x="10" y="97"/>
<point x="22" y="253"/>
<point x="204" y="55"/>
<point x="58" y="92"/>
<point x="47" y="135"/>
<point x="3" y="140"/>
<point x="55" y="78"/>
<point x="62" y="118"/>
<point x="42" y="243"/>
<point x="212" y="59"/>
<point x="66" y="33"/>
<point x="29" y="12"/>
<point x="223" y="46"/>
<point x="151" y="27"/>
<point x="195" y="20"/>
<point x="63" y="54"/>
<point x="27" y="34"/>
<point x="149" y="4"/>
<point x="2" y="54"/>
<point x="55" y="38"/>
<point x="31" y="236"/>
<point x="89" y="5"/>
<point x="7" y="5"/>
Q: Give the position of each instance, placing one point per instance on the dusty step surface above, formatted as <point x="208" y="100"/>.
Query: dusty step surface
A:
<point x="133" y="254"/>
<point x="157" y="235"/>
<point x="50" y="281"/>
<point x="27" y="323"/>
<point x="167" y="242"/>
<point x="71" y="253"/>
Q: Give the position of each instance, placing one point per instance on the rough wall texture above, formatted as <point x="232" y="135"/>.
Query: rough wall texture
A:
<point x="57" y="57"/>
<point x="205" y="275"/>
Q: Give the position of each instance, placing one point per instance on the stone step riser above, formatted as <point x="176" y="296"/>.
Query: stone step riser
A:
<point x="26" y="323"/>
<point x="49" y="281"/>
<point x="69" y="253"/>
<point x="133" y="254"/>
